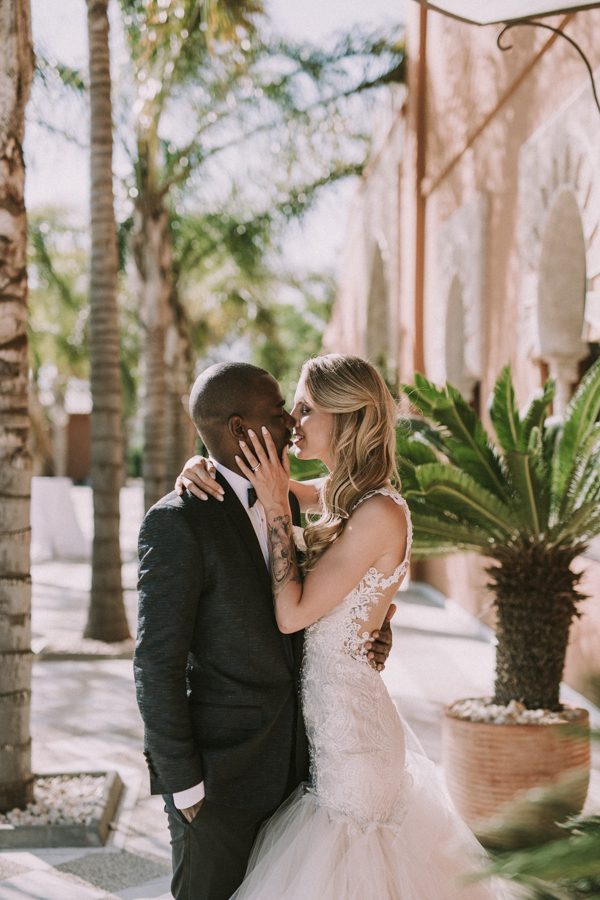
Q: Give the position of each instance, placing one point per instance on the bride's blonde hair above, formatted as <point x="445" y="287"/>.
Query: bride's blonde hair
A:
<point x="363" y="440"/>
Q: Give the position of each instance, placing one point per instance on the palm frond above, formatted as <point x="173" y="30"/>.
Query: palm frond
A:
<point x="415" y="427"/>
<point x="577" y="525"/>
<point x="423" y="549"/>
<point x="528" y="474"/>
<point x="504" y="413"/>
<point x="530" y="500"/>
<point x="586" y="466"/>
<point x="448" y="488"/>
<point x="537" y="411"/>
<point x="464" y="439"/>
<point x="580" y="416"/>
<point x="432" y="532"/>
<point x="415" y="450"/>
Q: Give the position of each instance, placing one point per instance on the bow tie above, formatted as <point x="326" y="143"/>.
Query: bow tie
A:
<point x="252" y="498"/>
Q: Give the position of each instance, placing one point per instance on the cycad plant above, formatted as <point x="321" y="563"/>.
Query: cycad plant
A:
<point x="529" y="501"/>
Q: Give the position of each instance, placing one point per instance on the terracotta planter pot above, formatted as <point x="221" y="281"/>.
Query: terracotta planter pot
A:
<point x="487" y="766"/>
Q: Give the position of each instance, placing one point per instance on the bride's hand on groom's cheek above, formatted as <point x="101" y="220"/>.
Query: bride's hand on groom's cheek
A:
<point x="380" y="645"/>
<point x="199" y="477"/>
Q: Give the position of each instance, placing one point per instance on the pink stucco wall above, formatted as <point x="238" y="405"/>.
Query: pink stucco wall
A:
<point x="519" y="129"/>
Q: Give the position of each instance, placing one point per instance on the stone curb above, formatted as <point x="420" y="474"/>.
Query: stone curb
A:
<point x="56" y="655"/>
<point x="25" y="837"/>
<point x="82" y="650"/>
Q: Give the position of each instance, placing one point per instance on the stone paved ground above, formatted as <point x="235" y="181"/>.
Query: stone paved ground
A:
<point x="85" y="718"/>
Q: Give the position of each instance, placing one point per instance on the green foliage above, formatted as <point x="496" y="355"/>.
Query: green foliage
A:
<point x="234" y="293"/>
<point x="58" y="309"/>
<point x="570" y="470"/>
<point x="465" y="441"/>
<point x="530" y="848"/>
<point x="51" y="72"/>
<point x="298" y="323"/>
<point x="568" y="867"/>
<point x="58" y="302"/>
<point x="289" y="108"/>
<point x="529" y="500"/>
<point x="303" y="470"/>
<point x="538" y="481"/>
<point x="268" y="122"/>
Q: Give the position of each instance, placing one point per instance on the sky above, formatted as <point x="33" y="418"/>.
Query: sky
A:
<point x="57" y="171"/>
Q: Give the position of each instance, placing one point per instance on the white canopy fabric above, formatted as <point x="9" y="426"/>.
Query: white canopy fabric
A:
<point x="489" y="12"/>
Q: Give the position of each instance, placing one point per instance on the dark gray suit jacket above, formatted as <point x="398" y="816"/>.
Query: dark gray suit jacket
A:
<point x="216" y="681"/>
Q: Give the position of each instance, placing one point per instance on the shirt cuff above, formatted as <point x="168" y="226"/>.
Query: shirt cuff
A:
<point x="193" y="795"/>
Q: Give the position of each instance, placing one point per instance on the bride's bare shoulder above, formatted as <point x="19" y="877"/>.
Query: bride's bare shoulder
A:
<point x="380" y="511"/>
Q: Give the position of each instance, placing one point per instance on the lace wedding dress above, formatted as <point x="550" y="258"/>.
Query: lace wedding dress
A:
<point x="375" y="822"/>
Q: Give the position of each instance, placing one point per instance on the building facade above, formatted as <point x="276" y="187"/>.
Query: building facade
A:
<point x="474" y="239"/>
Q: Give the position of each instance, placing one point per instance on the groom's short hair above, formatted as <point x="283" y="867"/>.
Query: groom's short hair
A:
<point x="222" y="391"/>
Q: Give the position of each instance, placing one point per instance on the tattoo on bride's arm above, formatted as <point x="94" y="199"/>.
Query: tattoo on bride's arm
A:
<point x="284" y="565"/>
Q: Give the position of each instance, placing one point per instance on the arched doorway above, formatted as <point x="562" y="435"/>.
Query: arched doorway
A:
<point x="561" y="296"/>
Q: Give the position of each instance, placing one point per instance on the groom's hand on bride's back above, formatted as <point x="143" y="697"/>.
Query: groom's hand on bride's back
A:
<point x="380" y="645"/>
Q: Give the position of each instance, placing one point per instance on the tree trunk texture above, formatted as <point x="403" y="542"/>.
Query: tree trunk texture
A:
<point x="153" y="257"/>
<point x="536" y="599"/>
<point x="530" y="658"/>
<point x="179" y="359"/>
<point x="16" y="68"/>
<point x="107" y="620"/>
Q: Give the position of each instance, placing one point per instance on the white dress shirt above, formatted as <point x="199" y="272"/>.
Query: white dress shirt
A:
<point x="256" y="514"/>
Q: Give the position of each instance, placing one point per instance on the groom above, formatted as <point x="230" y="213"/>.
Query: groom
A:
<point x="217" y="683"/>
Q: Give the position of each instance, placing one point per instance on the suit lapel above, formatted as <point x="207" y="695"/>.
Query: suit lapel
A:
<point x="240" y="520"/>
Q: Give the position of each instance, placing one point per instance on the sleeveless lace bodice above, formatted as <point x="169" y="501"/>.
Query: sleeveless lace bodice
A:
<point x="341" y="628"/>
<point x="355" y="735"/>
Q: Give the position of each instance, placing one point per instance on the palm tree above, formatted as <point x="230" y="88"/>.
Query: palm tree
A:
<point x="205" y="64"/>
<point x="106" y="618"/>
<point x="16" y="69"/>
<point x="167" y="48"/>
<point x="529" y="502"/>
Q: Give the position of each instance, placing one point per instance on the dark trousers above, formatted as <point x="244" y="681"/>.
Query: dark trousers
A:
<point x="210" y="854"/>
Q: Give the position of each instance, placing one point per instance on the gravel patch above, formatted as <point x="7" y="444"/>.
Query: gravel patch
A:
<point x="115" y="871"/>
<point x="60" y="800"/>
<point x="481" y="709"/>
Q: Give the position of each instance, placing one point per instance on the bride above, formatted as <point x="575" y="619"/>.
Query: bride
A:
<point x="375" y="820"/>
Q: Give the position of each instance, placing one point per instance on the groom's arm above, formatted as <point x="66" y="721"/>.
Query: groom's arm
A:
<point x="170" y="582"/>
<point x="380" y="645"/>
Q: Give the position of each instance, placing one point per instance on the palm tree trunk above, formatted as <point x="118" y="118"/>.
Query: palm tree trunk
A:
<point x="106" y="616"/>
<point x="16" y="68"/>
<point x="536" y="599"/>
<point x="153" y="256"/>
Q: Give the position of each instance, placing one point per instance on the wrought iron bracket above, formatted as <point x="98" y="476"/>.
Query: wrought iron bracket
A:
<point x="534" y="23"/>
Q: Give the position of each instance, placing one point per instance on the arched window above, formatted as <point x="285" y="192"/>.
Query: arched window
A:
<point x="561" y="297"/>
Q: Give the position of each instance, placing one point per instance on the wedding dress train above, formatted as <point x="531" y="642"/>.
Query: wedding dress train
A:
<point x="375" y="822"/>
